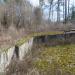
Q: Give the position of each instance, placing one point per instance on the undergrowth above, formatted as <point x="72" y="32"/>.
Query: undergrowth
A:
<point x="58" y="60"/>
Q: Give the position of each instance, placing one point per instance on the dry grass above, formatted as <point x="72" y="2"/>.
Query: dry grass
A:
<point x="23" y="67"/>
<point x="57" y="60"/>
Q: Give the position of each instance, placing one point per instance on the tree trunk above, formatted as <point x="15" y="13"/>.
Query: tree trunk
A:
<point x="58" y="11"/>
<point x="65" y="11"/>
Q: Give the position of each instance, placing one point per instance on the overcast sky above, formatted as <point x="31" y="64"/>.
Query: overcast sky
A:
<point x="36" y="2"/>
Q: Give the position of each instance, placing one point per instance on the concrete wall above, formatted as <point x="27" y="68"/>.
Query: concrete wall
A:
<point x="55" y="39"/>
<point x="6" y="57"/>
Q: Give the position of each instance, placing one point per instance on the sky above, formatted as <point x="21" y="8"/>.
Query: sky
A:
<point x="36" y="2"/>
<point x="46" y="14"/>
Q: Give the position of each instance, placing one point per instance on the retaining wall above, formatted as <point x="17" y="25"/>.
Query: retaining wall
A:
<point x="6" y="57"/>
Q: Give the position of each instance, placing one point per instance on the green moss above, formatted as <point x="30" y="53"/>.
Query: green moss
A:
<point x="42" y="65"/>
<point x="26" y="38"/>
<point x="22" y="41"/>
<point x="5" y="50"/>
<point x="59" y="57"/>
<point x="48" y="33"/>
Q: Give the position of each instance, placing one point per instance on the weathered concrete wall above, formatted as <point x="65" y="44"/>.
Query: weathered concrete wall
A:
<point x="6" y="57"/>
<point x="55" y="39"/>
<point x="23" y="49"/>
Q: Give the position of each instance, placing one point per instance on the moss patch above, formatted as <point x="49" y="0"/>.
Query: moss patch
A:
<point x="26" y="38"/>
<point x="56" y="58"/>
<point x="48" y="33"/>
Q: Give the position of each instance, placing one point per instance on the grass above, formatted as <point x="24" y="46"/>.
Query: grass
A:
<point x="56" y="58"/>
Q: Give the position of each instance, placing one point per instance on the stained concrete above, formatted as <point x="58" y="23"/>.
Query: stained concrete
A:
<point x="51" y="40"/>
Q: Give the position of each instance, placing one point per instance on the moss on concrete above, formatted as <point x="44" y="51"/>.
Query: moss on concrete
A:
<point x="26" y="38"/>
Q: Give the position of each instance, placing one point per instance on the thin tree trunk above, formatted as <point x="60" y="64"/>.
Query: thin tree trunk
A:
<point x="52" y="12"/>
<point x="65" y="11"/>
<point x="49" y="12"/>
<point x="50" y="2"/>
<point x="68" y="9"/>
<point x="58" y="11"/>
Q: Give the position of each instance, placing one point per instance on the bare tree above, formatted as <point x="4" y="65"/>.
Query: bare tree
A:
<point x="41" y="2"/>
<point x="50" y="7"/>
<point x="68" y="9"/>
<point x="37" y="17"/>
<point x="58" y="11"/>
<point x="17" y="12"/>
<point x="65" y="11"/>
